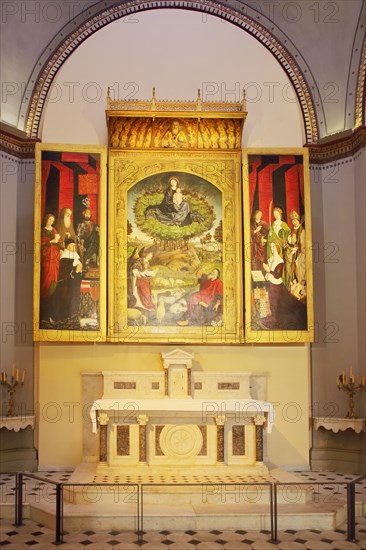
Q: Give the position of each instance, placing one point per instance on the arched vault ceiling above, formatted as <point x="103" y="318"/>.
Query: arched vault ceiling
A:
<point x="321" y="41"/>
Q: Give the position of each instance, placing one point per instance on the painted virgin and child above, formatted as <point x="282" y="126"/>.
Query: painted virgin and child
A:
<point x="174" y="209"/>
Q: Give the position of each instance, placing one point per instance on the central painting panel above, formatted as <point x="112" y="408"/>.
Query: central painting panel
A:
<point x="175" y="244"/>
<point x="174" y="239"/>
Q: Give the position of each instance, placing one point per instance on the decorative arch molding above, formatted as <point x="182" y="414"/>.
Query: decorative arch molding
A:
<point x="360" y="115"/>
<point x="354" y="115"/>
<point x="101" y="14"/>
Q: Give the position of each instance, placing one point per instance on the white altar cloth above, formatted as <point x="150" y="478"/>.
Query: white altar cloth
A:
<point x="209" y="408"/>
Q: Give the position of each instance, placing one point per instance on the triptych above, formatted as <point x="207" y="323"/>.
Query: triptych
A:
<point x="167" y="244"/>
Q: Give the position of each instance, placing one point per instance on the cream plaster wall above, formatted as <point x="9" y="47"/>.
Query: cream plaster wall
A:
<point x="59" y="403"/>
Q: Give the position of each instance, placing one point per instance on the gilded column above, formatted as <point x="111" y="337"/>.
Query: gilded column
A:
<point x="142" y="420"/>
<point x="103" y="420"/>
<point x="220" y="423"/>
<point x="259" y="422"/>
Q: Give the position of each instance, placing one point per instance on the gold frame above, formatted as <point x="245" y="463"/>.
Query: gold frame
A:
<point x="223" y="170"/>
<point x="284" y="335"/>
<point x="56" y="335"/>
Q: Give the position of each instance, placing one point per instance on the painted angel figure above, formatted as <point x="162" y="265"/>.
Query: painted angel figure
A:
<point x="139" y="275"/>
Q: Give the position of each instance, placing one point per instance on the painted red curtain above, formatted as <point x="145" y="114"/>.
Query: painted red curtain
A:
<point x="46" y="167"/>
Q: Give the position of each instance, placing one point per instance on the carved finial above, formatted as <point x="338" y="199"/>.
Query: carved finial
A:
<point x="244" y="100"/>
<point x="153" y="101"/>
<point x="108" y="97"/>
<point x="199" y="102"/>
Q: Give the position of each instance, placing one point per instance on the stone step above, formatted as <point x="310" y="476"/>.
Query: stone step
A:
<point x="159" y="516"/>
<point x="206" y="494"/>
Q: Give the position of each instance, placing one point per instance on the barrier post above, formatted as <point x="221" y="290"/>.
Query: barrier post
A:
<point x="274" y="536"/>
<point x="141" y="522"/>
<point x="351" y="511"/>
<point x="58" y="513"/>
<point x="18" y="499"/>
<point x="272" y="512"/>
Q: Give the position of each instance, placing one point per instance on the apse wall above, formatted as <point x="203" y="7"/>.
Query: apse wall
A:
<point x="339" y="188"/>
<point x="338" y="198"/>
<point x="16" y="226"/>
<point x="177" y="52"/>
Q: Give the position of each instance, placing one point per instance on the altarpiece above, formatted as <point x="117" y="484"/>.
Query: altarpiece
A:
<point x="204" y="242"/>
<point x="175" y="243"/>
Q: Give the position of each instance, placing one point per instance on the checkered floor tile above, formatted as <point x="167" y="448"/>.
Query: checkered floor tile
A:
<point x="166" y="478"/>
<point x="35" y="535"/>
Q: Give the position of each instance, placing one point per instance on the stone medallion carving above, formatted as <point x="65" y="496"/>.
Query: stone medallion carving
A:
<point x="181" y="440"/>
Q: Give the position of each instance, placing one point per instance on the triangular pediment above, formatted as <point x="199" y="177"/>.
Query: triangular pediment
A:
<point x="177" y="354"/>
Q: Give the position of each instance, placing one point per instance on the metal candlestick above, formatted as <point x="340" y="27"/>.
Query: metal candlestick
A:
<point x="351" y="389"/>
<point x="11" y="389"/>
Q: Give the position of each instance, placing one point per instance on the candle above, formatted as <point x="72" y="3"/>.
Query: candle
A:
<point x="351" y="376"/>
<point x="23" y="376"/>
<point x="17" y="375"/>
<point x="12" y="370"/>
<point x="342" y="376"/>
<point x="4" y="376"/>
